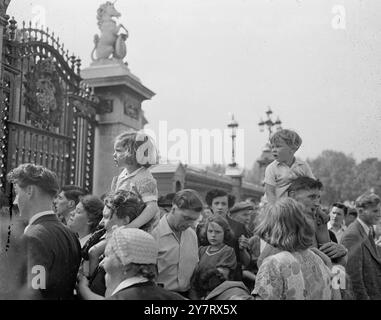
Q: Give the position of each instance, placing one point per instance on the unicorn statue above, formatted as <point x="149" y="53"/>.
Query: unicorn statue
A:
<point x="110" y="45"/>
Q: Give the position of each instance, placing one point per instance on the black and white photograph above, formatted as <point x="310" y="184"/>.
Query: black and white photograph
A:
<point x="190" y="151"/>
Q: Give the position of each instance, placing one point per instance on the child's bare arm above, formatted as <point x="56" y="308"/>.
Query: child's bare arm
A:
<point x="148" y="213"/>
<point x="94" y="253"/>
<point x="85" y="292"/>
<point x="270" y="193"/>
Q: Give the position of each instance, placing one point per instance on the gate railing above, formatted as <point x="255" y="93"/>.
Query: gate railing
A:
<point x="47" y="116"/>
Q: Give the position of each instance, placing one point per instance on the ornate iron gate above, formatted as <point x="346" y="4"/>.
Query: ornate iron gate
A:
<point x="47" y="117"/>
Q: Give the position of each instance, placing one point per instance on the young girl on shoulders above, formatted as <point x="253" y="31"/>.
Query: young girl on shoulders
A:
<point x="135" y="153"/>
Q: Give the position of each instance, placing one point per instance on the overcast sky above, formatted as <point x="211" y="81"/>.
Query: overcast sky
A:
<point x="206" y="58"/>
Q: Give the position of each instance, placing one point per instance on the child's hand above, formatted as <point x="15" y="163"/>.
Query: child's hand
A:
<point x="243" y="242"/>
<point x="82" y="281"/>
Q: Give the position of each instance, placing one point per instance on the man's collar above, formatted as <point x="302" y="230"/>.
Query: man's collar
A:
<point x="129" y="283"/>
<point x="331" y="227"/>
<point x="165" y="226"/>
<point x="37" y="216"/>
<point x="364" y="225"/>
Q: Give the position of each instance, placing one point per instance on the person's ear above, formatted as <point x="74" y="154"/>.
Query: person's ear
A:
<point x="126" y="221"/>
<point x="72" y="204"/>
<point x="173" y="209"/>
<point x="31" y="190"/>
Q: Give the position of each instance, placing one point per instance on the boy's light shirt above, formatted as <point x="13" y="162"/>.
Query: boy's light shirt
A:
<point x="280" y="175"/>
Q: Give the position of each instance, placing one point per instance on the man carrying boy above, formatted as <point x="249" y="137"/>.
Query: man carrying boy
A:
<point x="307" y="191"/>
<point x="285" y="167"/>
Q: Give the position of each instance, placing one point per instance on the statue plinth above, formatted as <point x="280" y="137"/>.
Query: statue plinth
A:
<point x="124" y="93"/>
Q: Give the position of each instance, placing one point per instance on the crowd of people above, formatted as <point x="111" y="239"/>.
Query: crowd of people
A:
<point x="131" y="244"/>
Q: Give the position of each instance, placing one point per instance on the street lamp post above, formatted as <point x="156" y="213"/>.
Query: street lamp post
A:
<point x="233" y="170"/>
<point x="266" y="157"/>
<point x="233" y="125"/>
<point x="269" y="123"/>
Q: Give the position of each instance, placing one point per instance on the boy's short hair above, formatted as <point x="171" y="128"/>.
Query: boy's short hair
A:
<point x="367" y="200"/>
<point x="291" y="138"/>
<point x="341" y="206"/>
<point x="304" y="183"/>
<point x="30" y="174"/>
<point x="215" y="193"/>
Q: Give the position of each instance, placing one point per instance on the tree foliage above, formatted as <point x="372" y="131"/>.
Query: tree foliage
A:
<point x="343" y="178"/>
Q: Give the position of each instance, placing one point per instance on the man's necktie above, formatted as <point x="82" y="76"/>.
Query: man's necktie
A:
<point x="371" y="238"/>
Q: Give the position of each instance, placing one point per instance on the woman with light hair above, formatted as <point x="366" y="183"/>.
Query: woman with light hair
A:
<point x="297" y="272"/>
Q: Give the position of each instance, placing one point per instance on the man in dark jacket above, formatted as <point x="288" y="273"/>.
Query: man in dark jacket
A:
<point x="364" y="258"/>
<point x="52" y="251"/>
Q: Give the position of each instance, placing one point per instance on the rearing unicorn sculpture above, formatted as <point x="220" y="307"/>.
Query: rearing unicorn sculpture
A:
<point x="110" y="44"/>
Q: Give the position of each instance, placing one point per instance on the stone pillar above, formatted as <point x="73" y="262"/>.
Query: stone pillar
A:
<point x="236" y="174"/>
<point x="124" y="93"/>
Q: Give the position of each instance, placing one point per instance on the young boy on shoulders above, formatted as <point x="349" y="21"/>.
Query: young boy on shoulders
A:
<point x="285" y="167"/>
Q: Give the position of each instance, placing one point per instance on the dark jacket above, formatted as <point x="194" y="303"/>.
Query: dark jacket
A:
<point x="145" y="291"/>
<point x="364" y="263"/>
<point x="230" y="289"/>
<point x="54" y="248"/>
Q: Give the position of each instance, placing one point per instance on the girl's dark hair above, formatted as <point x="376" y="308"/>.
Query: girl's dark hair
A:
<point x="94" y="209"/>
<point x="285" y="226"/>
<point x="124" y="204"/>
<point x="215" y="193"/>
<point x="188" y="199"/>
<point x="223" y="223"/>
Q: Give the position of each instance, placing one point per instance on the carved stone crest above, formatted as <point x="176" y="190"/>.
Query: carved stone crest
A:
<point x="43" y="95"/>
<point x="131" y="111"/>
